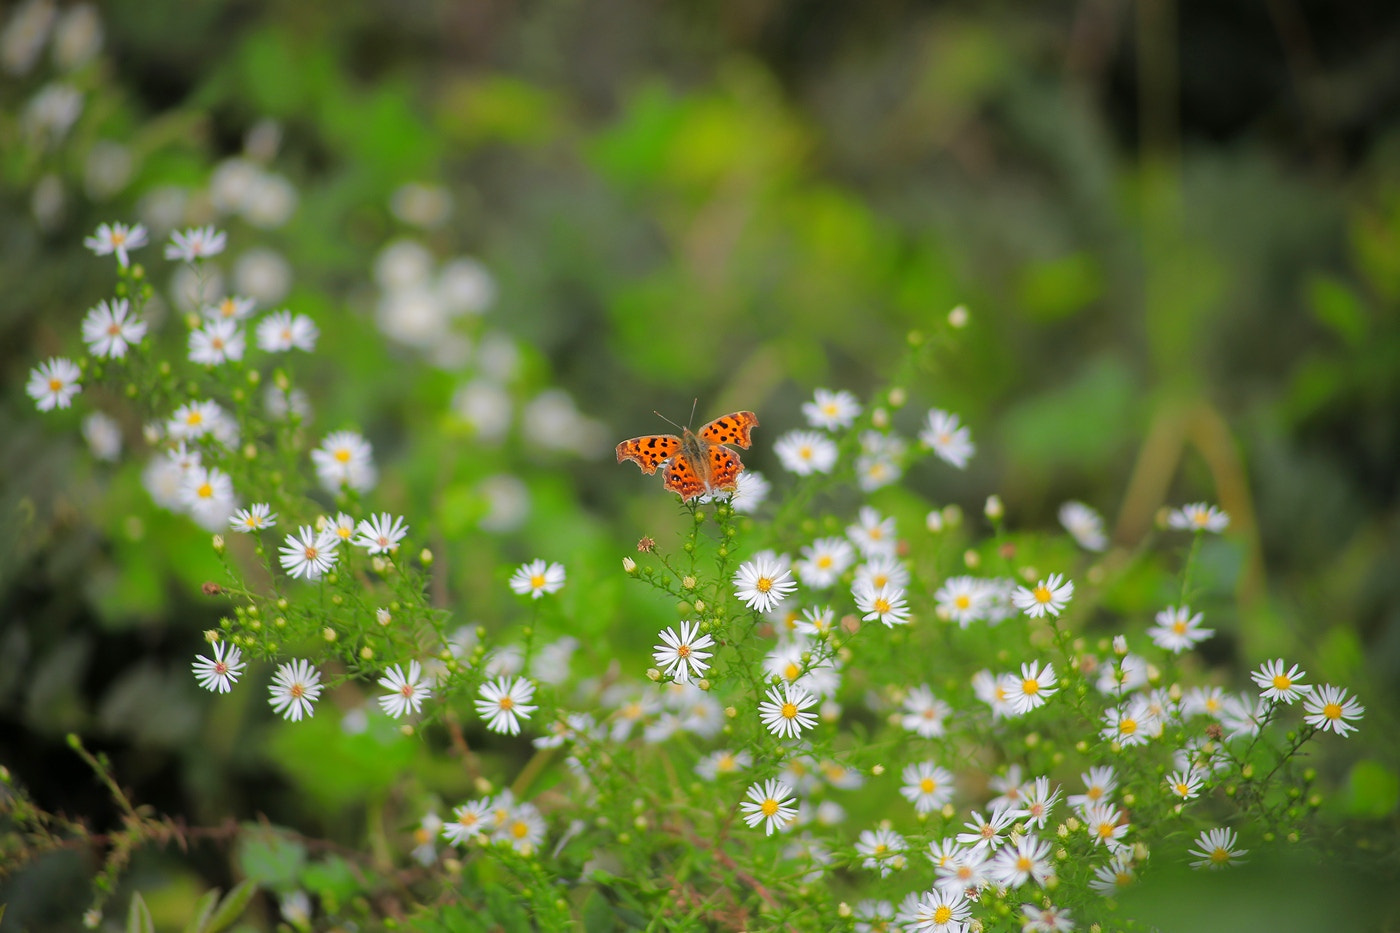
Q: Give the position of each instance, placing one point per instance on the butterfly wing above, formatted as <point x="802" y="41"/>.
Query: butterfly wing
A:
<point x="681" y="477"/>
<point x="725" y="468"/>
<point x="650" y="451"/>
<point x="730" y="429"/>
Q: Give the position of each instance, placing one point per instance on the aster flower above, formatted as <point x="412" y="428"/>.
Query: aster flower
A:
<point x="1177" y="630"/>
<point x="1009" y="788"/>
<point x="927" y="786"/>
<point x="342" y="526"/>
<point x="281" y="331"/>
<point x="1198" y="516"/>
<point x="505" y="703"/>
<point x="116" y="238"/>
<point x="380" y="534"/>
<point x="208" y="494"/>
<point x="1244" y="715"/>
<point x="886" y="604"/>
<point x="1049" y="919"/>
<point x="1038" y="803"/>
<point x="1099" y="785"/>
<point x="725" y="762"/>
<point x="952" y="443"/>
<point x="763" y="583"/>
<point x="873" y="916"/>
<point x="816" y="621"/>
<point x="924" y="714"/>
<point x="537" y="578"/>
<point x="882" y="850"/>
<point x="1127" y="725"/>
<point x="823" y="561"/>
<point x="53" y="383"/>
<point x="110" y="328"/>
<point x="1280" y="685"/>
<point x="103" y="435"/>
<point x="1216" y="849"/>
<point x="1084" y="525"/>
<point x="986" y="833"/>
<point x="1329" y="707"/>
<point x="880" y="570"/>
<point x="960" y="599"/>
<point x="1104" y="823"/>
<point x="194" y="419"/>
<point x="256" y="517"/>
<point x="1024" y="859"/>
<point x="469" y="820"/>
<point x="873" y="534"/>
<point x="195" y="243"/>
<point x="229" y="308"/>
<point x="1036" y="685"/>
<point x="750" y="490"/>
<point x="221" y="672"/>
<point x="770" y="804"/>
<point x="939" y="911"/>
<point x="1049" y="596"/>
<point x="965" y="871"/>
<point x="683" y="656"/>
<point x="523" y="829"/>
<point x="805" y="452"/>
<point x="997" y="692"/>
<point x="1117" y="875"/>
<point x="309" y="553"/>
<point x="345" y="459"/>
<point x="1185" y="784"/>
<point x="1203" y="701"/>
<point x="831" y="410"/>
<point x="405" y="693"/>
<point x="784" y="712"/>
<point x="295" y="687"/>
<point x="217" y="342"/>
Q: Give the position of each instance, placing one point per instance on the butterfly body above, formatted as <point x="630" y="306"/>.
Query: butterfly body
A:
<point x="697" y="462"/>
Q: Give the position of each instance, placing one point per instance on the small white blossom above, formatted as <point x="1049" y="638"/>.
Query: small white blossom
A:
<point x="947" y="439"/>
<point x="405" y="693"/>
<point x="53" y="383"/>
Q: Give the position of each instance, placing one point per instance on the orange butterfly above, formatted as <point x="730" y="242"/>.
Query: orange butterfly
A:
<point x="699" y="461"/>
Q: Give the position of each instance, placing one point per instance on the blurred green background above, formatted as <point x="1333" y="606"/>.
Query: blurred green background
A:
<point x="1176" y="226"/>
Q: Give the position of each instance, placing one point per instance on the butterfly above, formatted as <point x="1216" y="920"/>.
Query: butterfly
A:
<point x="699" y="461"/>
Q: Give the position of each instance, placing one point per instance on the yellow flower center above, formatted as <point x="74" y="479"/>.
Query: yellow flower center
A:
<point x="882" y="605"/>
<point x="962" y="601"/>
<point x="1220" y="856"/>
<point x="1127" y="726"/>
<point x="118" y="238"/>
<point x="1030" y="687"/>
<point x="792" y="671"/>
<point x="1179" y="626"/>
<point x="55" y="383"/>
<point x="311" y="552"/>
<point x="343" y="455"/>
<point x="928" y="785"/>
<point x="825" y="562"/>
<point x="194" y="418"/>
<point x="114" y="329"/>
<point x="1281" y="682"/>
<point x="536" y="580"/>
<point x="683" y="651"/>
<point x="1042" y="595"/>
<point x="805" y="453"/>
<point x="1332" y="711"/>
<point x="204" y="491"/>
<point x="763" y="585"/>
<point x="505" y="703"/>
<point x="769" y="807"/>
<point x="789" y="711"/>
<point x="296" y="691"/>
<point x="943" y="914"/>
<point x="520" y="829"/>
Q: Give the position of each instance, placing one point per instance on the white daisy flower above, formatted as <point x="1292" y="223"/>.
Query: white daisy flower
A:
<point x="940" y="911"/>
<point x="229" y="308"/>
<point x="1177" y="630"/>
<point x="683" y="656"/>
<point x="762" y="583"/>
<point x="217" y="342"/>
<point x="784" y="712"/>
<point x="1036" y="685"/>
<point x="1105" y="823"/>
<point x="1045" y="919"/>
<point x="1216" y="849"/>
<point x="769" y="804"/>
<point x="255" y="517"/>
<point x="103" y="435"/>
<point x="960" y="599"/>
<point x="195" y="243"/>
<point x="927" y="786"/>
<point x="380" y="534"/>
<point x="1024" y="859"/>
<point x="966" y="871"/>
<point x="110" y="328"/>
<point x="805" y="452"/>
<point x="886" y="604"/>
<point x="309" y="553"/>
<point x="831" y="410"/>
<point x="1278" y="684"/>
<point x="881" y="570"/>
<point x="1049" y="596"/>
<point x="1185" y="784"/>
<point x="1099" y="785"/>
<point x="295" y="687"/>
<point x="945" y="438"/>
<point x="750" y="491"/>
<point x="1116" y="876"/>
<point x="997" y="692"/>
<point x="985" y="834"/>
<point x="924" y="714"/>
<point x="882" y="850"/>
<point x="523" y="829"/>
<point x="1038" y="802"/>
<point x="469" y="820"/>
<point x="816" y="621"/>
<point x="1128" y="725"/>
<point x="1328" y="707"/>
<point x="725" y="762"/>
<point x="405" y="693"/>
<point x="537" y="579"/>
<point x="823" y="561"/>
<point x="53" y="383"/>
<point x="281" y="331"/>
<point x="505" y="703"/>
<point x="116" y="238"/>
<point x="207" y="493"/>
<point x="221" y="672"/>
<point x="345" y="458"/>
<point x="194" y="419"/>
<point x="1084" y="525"/>
<point x="1198" y="516"/>
<point x="873" y="534"/>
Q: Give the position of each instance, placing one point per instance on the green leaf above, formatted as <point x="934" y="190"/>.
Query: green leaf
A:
<point x="138" y="917"/>
<point x="1338" y="309"/>
<point x="203" y="909"/>
<point x="232" y="906"/>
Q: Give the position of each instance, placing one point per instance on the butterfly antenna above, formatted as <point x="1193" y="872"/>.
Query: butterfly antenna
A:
<point x="665" y="419"/>
<point x="693" y="406"/>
